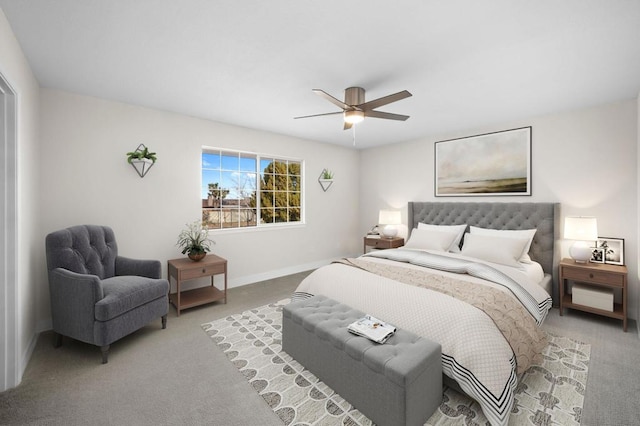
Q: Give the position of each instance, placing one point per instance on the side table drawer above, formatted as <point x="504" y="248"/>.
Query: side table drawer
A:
<point x="202" y="271"/>
<point x="379" y="243"/>
<point x="593" y="276"/>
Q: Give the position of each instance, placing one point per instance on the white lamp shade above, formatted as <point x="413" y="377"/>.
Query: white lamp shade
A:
<point x="389" y="217"/>
<point x="580" y="228"/>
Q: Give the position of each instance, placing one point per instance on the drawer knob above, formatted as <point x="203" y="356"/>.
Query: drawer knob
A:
<point x="590" y="275"/>
<point x="204" y="270"/>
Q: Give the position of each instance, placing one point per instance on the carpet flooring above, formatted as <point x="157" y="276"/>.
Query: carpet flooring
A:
<point x="549" y="393"/>
<point x="178" y="377"/>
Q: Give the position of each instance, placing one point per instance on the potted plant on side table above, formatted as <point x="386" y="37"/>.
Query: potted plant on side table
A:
<point x="194" y="241"/>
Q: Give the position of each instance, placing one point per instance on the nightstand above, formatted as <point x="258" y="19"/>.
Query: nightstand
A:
<point x="382" y="243"/>
<point x="185" y="269"/>
<point x="597" y="275"/>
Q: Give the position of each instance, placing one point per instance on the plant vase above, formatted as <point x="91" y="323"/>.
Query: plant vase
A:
<point x="196" y="257"/>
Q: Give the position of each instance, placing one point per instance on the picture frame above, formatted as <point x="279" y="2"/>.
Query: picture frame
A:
<point x="597" y="255"/>
<point x="489" y="164"/>
<point x="613" y="250"/>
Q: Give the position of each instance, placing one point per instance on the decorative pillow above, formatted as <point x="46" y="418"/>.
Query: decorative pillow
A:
<point x="427" y="239"/>
<point x="458" y="230"/>
<point x="506" y="251"/>
<point x="523" y="233"/>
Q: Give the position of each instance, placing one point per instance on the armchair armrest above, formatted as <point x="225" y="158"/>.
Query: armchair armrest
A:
<point x="142" y="268"/>
<point x="73" y="299"/>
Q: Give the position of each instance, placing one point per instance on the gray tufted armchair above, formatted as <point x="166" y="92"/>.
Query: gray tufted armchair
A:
<point x="98" y="297"/>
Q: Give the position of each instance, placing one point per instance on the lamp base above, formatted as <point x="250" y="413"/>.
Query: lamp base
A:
<point x="389" y="231"/>
<point x="580" y="252"/>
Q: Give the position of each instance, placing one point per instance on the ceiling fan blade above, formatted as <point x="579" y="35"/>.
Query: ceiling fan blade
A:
<point x="376" y="103"/>
<point x="387" y="115"/>
<point x="320" y="115"/>
<point x="331" y="99"/>
<point x="347" y="126"/>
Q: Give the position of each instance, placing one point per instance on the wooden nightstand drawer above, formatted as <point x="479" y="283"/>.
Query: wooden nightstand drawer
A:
<point x="201" y="271"/>
<point x="383" y="243"/>
<point x="591" y="276"/>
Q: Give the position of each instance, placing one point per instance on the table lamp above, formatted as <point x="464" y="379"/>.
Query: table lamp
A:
<point x="581" y="229"/>
<point x="389" y="218"/>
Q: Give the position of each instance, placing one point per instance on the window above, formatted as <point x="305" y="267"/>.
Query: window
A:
<point x="242" y="189"/>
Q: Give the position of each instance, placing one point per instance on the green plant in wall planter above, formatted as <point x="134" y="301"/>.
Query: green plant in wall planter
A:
<point x="325" y="179"/>
<point x="141" y="159"/>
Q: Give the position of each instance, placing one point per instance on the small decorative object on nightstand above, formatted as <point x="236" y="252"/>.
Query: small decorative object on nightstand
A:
<point x="596" y="294"/>
<point x="376" y="242"/>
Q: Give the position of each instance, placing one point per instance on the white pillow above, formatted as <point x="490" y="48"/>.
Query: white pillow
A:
<point x="458" y="230"/>
<point x="522" y="233"/>
<point x="506" y="251"/>
<point x="427" y="239"/>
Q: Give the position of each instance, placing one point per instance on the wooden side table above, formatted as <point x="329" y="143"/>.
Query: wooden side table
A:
<point x="381" y="243"/>
<point x="184" y="269"/>
<point x="596" y="274"/>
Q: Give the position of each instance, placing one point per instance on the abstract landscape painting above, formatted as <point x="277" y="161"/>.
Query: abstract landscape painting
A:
<point x="496" y="163"/>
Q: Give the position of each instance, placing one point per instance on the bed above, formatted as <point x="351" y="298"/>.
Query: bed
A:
<point x="483" y="303"/>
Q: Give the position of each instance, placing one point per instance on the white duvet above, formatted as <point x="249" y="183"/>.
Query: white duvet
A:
<point x="474" y="352"/>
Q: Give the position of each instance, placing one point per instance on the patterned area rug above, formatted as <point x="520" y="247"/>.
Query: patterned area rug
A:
<point x="548" y="394"/>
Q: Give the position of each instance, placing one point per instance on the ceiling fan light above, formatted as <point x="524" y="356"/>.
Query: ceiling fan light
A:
<point x="353" y="117"/>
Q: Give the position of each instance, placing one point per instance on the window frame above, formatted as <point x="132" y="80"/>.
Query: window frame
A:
<point x="259" y="172"/>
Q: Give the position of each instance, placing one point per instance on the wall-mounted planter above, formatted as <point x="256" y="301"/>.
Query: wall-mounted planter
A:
<point x="141" y="159"/>
<point x="325" y="179"/>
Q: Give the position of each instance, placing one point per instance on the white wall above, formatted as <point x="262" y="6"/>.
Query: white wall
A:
<point x="586" y="160"/>
<point x="87" y="180"/>
<point x="16" y="70"/>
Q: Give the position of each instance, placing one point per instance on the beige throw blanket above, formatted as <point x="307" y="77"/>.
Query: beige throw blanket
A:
<point x="514" y="322"/>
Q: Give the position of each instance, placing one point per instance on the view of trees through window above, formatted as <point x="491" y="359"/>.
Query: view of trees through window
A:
<point x="242" y="189"/>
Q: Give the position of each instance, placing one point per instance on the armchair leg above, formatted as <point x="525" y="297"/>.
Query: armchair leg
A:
<point x="105" y="353"/>
<point x="57" y="340"/>
<point x="164" y="322"/>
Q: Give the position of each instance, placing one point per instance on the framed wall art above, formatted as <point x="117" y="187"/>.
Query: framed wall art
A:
<point x="612" y="249"/>
<point x="491" y="164"/>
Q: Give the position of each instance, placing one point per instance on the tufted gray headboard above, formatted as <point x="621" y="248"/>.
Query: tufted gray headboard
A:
<point x="541" y="216"/>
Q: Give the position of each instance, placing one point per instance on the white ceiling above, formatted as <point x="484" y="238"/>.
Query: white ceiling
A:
<point x="253" y="63"/>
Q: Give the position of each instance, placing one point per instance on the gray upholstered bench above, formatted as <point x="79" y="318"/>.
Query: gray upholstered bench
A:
<point x="397" y="383"/>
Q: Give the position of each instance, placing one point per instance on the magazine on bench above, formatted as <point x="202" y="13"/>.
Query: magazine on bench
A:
<point x="372" y="328"/>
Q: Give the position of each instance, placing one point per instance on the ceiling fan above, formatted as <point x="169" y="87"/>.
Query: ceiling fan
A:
<point x="355" y="109"/>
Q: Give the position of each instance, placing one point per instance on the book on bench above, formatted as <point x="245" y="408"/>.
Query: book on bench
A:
<point x="372" y="328"/>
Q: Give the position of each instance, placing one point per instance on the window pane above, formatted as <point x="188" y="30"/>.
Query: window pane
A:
<point x="247" y="163"/>
<point x="211" y="218"/>
<point x="281" y="215"/>
<point x="210" y="160"/>
<point x="264" y="164"/>
<point x="294" y="215"/>
<point x="230" y="162"/>
<point x="247" y="217"/>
